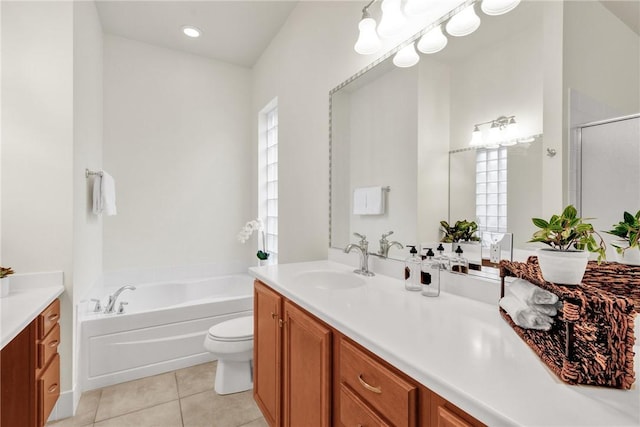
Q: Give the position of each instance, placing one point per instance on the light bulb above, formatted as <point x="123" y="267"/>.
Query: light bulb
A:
<point x="392" y="21"/>
<point x="476" y="137"/>
<point x="416" y="7"/>
<point x="512" y="129"/>
<point x="433" y="41"/>
<point x="464" y="22"/>
<point x="494" y="134"/>
<point x="191" y="31"/>
<point x="498" y="7"/>
<point x="406" y="57"/>
<point x="368" y="41"/>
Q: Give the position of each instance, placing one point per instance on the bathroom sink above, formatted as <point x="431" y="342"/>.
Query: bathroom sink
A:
<point x="329" y="280"/>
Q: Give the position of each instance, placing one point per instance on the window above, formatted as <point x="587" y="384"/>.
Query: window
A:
<point x="268" y="175"/>
<point x="491" y="189"/>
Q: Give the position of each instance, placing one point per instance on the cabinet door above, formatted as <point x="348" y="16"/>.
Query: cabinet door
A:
<point x="266" y="352"/>
<point x="307" y="369"/>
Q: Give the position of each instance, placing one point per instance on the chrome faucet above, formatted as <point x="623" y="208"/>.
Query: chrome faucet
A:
<point x="363" y="247"/>
<point x="385" y="245"/>
<point x="110" y="308"/>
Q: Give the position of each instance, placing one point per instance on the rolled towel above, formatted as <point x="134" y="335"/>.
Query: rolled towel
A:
<point x="532" y="294"/>
<point x="525" y="316"/>
<point x="548" y="309"/>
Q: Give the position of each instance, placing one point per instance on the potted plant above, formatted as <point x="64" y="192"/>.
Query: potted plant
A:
<point x="628" y="231"/>
<point x="5" y="272"/>
<point x="247" y="231"/>
<point x="461" y="231"/>
<point x="570" y="241"/>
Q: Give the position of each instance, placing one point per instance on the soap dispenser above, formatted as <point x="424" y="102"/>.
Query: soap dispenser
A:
<point x="430" y="275"/>
<point x="445" y="262"/>
<point x="412" y="270"/>
<point x="459" y="264"/>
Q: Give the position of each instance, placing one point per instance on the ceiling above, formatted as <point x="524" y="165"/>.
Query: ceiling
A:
<point x="628" y="11"/>
<point x="234" y="31"/>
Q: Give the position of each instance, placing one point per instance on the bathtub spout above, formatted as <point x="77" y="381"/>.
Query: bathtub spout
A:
<point x="110" y="308"/>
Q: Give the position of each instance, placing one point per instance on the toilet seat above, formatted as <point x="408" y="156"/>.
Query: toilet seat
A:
<point x="238" y="329"/>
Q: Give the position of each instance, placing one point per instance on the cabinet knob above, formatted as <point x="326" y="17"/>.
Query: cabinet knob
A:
<point x="53" y="343"/>
<point x="273" y="315"/>
<point x="53" y="388"/>
<point x="369" y="387"/>
<point x="281" y="322"/>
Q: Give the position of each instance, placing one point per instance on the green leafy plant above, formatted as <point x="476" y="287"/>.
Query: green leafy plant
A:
<point x="461" y="231"/>
<point x="629" y="230"/>
<point x="568" y="232"/>
<point x="5" y="271"/>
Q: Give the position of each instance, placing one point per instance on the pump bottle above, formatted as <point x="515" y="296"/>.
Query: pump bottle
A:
<point x="412" y="270"/>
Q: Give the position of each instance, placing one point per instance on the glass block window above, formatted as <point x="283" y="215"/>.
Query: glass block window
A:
<point x="268" y="176"/>
<point x="491" y="189"/>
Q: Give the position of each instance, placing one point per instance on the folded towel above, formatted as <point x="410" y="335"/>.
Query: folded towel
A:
<point x="104" y="195"/>
<point x="531" y="294"/>
<point x="523" y="315"/>
<point x="368" y="201"/>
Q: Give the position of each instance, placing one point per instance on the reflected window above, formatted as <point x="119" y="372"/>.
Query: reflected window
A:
<point x="268" y="176"/>
<point x="491" y="189"/>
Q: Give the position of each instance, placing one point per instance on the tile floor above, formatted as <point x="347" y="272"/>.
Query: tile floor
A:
<point x="183" y="398"/>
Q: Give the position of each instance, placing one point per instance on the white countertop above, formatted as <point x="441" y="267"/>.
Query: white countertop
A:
<point x="460" y="348"/>
<point x="29" y="295"/>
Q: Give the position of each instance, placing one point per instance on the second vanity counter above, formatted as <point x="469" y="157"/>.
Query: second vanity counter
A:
<point x="460" y="348"/>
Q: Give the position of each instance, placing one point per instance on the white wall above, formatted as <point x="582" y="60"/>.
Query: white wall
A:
<point x="177" y="142"/>
<point x="37" y="147"/>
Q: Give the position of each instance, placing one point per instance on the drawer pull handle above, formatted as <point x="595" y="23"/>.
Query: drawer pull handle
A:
<point x="53" y="388"/>
<point x="53" y="317"/>
<point x="53" y="343"/>
<point x="369" y="387"/>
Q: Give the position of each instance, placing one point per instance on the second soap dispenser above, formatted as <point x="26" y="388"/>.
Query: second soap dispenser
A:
<point x="412" y="270"/>
<point x="431" y="275"/>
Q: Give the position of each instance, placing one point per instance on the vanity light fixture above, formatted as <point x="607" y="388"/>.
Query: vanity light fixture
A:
<point x="191" y="31"/>
<point x="503" y="131"/>
<point x="433" y="41"/>
<point x="368" y="40"/>
<point x="406" y="57"/>
<point x="463" y="23"/>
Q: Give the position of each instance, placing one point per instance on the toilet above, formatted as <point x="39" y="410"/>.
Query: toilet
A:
<point x="231" y="342"/>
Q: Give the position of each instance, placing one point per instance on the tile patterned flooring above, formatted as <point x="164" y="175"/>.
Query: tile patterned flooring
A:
<point x="183" y="398"/>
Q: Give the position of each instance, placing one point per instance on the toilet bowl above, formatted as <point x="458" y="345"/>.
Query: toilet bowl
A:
<point x="231" y="342"/>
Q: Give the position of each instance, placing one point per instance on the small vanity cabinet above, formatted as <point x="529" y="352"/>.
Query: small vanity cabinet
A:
<point x="30" y="371"/>
<point x="308" y="374"/>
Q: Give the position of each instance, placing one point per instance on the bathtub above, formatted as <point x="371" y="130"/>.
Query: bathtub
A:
<point x="162" y="329"/>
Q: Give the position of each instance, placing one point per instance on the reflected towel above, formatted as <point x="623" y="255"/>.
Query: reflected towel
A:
<point x="368" y="201"/>
<point x="525" y="316"/>
<point x="531" y="294"/>
<point x="104" y="195"/>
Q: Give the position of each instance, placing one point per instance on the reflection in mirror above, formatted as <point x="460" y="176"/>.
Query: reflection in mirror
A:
<point x="410" y="129"/>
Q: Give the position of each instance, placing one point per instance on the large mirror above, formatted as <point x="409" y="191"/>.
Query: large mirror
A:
<point x="409" y="130"/>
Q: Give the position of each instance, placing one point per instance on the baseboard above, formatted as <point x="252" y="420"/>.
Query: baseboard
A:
<point x="66" y="405"/>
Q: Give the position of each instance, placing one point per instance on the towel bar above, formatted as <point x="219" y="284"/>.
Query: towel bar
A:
<point x="88" y="173"/>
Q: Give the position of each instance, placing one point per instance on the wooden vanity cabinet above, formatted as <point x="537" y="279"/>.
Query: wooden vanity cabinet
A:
<point x="308" y="374"/>
<point x="30" y="372"/>
<point x="292" y="362"/>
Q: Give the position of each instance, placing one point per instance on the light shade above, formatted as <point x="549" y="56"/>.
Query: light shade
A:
<point x="191" y="31"/>
<point x="406" y="57"/>
<point x="512" y="130"/>
<point x="393" y="20"/>
<point x="464" y="22"/>
<point x="498" y="7"/>
<point x="417" y="7"/>
<point x="476" y="137"/>
<point x="433" y="41"/>
<point x="368" y="41"/>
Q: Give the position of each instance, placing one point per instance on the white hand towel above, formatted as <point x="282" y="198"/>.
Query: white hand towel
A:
<point x="530" y="293"/>
<point x="104" y="195"/>
<point x="368" y="201"/>
<point x="523" y="315"/>
<point x="548" y="309"/>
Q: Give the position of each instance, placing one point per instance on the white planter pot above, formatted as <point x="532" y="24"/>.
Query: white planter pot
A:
<point x="562" y="267"/>
<point x="4" y="287"/>
<point x="630" y="257"/>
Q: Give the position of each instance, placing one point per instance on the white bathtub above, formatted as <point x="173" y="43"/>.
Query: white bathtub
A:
<point x="162" y="329"/>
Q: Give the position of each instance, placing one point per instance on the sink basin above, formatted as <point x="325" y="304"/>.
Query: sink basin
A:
<point x="330" y="280"/>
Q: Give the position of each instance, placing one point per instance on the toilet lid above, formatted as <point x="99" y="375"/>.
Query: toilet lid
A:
<point x="238" y="329"/>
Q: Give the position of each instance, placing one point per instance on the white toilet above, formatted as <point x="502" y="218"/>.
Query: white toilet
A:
<point x="231" y="342"/>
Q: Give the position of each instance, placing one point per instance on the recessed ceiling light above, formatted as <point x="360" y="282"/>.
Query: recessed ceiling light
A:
<point x="191" y="31"/>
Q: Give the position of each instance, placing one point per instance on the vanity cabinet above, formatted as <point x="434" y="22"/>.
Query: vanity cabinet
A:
<point x="30" y="371"/>
<point x="292" y="362"/>
<point x="308" y="374"/>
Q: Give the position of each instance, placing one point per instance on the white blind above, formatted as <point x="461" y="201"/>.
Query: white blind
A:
<point x="491" y="189"/>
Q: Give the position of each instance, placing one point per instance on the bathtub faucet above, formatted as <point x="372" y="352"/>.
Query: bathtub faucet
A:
<point x="110" y="308"/>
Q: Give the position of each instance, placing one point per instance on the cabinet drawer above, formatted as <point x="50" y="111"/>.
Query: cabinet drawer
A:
<point x="48" y="346"/>
<point x="48" y="389"/>
<point x="355" y="413"/>
<point x="388" y="393"/>
<point x="48" y="318"/>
